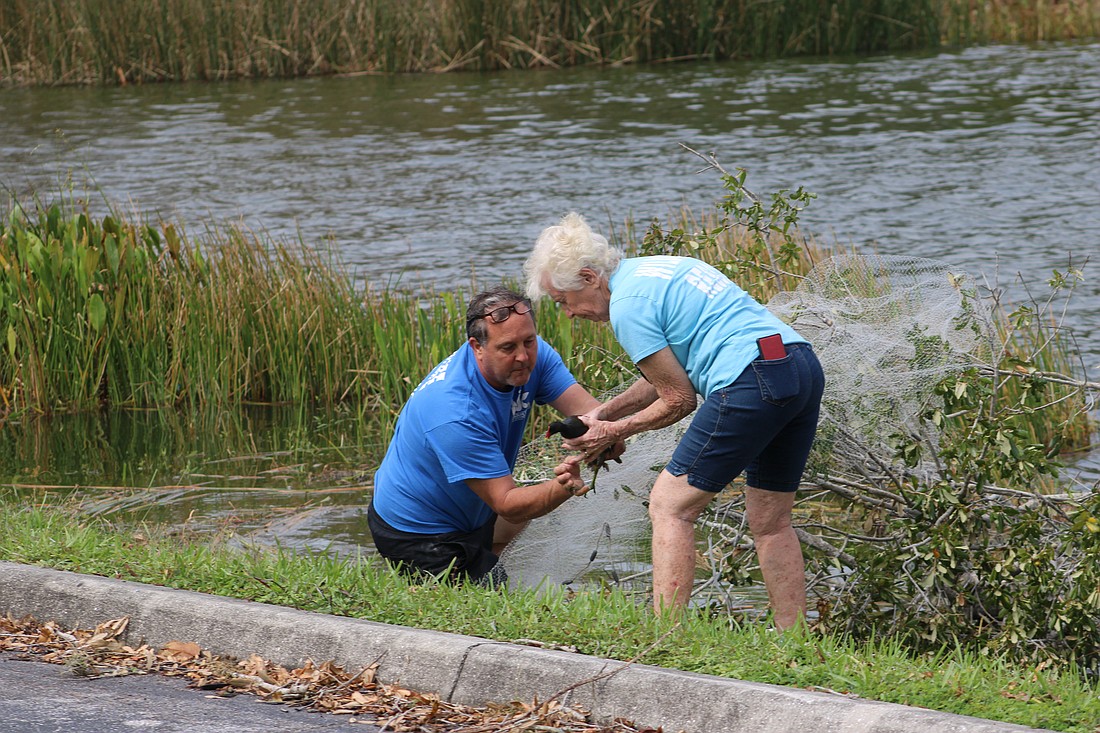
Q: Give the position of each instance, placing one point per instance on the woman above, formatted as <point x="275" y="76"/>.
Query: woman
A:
<point x="691" y="331"/>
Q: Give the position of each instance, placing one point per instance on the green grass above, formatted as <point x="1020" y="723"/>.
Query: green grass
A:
<point x="128" y="41"/>
<point x="601" y="624"/>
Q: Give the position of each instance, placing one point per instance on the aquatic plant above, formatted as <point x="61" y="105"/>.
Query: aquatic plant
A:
<point x="133" y="41"/>
<point x="965" y="22"/>
<point x="113" y="311"/>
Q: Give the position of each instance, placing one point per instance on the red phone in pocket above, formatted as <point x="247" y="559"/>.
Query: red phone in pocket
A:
<point x="771" y="347"/>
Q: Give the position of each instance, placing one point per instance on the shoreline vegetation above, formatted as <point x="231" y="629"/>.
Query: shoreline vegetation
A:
<point x="608" y="624"/>
<point x="65" y="42"/>
<point x="117" y="311"/>
<point x="121" y="312"/>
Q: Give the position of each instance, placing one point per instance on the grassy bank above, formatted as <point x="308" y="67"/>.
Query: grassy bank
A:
<point x="607" y="625"/>
<point x="98" y="41"/>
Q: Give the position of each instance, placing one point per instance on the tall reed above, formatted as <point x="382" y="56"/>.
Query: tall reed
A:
<point x="1012" y="21"/>
<point x="123" y="41"/>
<point x="113" y="312"/>
<point x="122" y="313"/>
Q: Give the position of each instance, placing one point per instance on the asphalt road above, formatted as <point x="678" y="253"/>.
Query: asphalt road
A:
<point x="38" y="697"/>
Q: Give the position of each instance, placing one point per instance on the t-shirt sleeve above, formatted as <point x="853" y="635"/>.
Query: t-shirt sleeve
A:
<point x="637" y="325"/>
<point x="554" y="376"/>
<point x="466" y="451"/>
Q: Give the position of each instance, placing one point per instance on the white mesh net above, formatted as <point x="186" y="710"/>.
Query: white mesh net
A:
<point x="886" y="329"/>
<point x="601" y="535"/>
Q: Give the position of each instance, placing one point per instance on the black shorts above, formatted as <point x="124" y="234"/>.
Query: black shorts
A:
<point x="467" y="555"/>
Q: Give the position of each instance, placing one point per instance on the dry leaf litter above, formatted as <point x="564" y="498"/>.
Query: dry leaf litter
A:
<point x="325" y="687"/>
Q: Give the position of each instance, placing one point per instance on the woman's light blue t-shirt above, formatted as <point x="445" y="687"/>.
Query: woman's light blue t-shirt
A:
<point x="710" y="323"/>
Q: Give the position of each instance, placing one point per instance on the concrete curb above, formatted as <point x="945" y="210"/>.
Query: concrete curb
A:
<point x="461" y="669"/>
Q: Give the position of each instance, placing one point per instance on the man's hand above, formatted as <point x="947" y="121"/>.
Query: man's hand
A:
<point x="568" y="475"/>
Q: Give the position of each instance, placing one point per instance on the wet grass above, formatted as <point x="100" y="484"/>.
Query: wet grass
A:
<point x="128" y="41"/>
<point x="606" y="624"/>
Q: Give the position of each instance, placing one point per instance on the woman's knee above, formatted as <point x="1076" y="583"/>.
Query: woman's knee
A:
<point x="768" y="512"/>
<point x="672" y="498"/>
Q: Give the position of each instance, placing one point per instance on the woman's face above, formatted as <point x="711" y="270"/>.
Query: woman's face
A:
<point x="590" y="301"/>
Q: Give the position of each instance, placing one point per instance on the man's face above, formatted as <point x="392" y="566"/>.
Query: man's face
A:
<point x="509" y="353"/>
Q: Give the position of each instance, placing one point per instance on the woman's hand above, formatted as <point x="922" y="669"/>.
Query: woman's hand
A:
<point x="599" y="443"/>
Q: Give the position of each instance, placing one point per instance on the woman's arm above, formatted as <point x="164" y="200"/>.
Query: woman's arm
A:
<point x="674" y="398"/>
<point x="577" y="401"/>
<point x="636" y="397"/>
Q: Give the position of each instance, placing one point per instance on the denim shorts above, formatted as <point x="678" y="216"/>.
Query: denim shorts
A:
<point x="764" y="424"/>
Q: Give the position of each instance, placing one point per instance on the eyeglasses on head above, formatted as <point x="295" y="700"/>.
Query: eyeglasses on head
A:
<point x="504" y="312"/>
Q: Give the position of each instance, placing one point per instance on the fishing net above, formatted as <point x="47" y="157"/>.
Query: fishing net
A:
<point x="887" y="330"/>
<point x="601" y="535"/>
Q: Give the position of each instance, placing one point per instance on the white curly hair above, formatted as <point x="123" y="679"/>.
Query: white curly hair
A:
<point x="561" y="251"/>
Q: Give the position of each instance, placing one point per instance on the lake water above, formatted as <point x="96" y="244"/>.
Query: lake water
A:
<point x="988" y="158"/>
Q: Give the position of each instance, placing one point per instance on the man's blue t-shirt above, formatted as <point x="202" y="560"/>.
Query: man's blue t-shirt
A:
<point x="454" y="427"/>
<point x="710" y="324"/>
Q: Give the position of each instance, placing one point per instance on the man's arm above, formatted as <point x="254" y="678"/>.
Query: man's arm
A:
<point x="521" y="503"/>
<point x="575" y="401"/>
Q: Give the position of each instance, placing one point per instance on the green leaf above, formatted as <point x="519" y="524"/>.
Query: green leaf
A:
<point x="11" y="340"/>
<point x="97" y="311"/>
<point x="110" y="247"/>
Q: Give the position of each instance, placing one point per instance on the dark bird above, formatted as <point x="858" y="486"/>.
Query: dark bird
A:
<point x="571" y="427"/>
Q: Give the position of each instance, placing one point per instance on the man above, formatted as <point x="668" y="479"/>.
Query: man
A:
<point x="444" y="495"/>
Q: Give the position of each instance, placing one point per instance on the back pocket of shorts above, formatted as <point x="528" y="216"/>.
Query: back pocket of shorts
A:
<point x="778" y="380"/>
